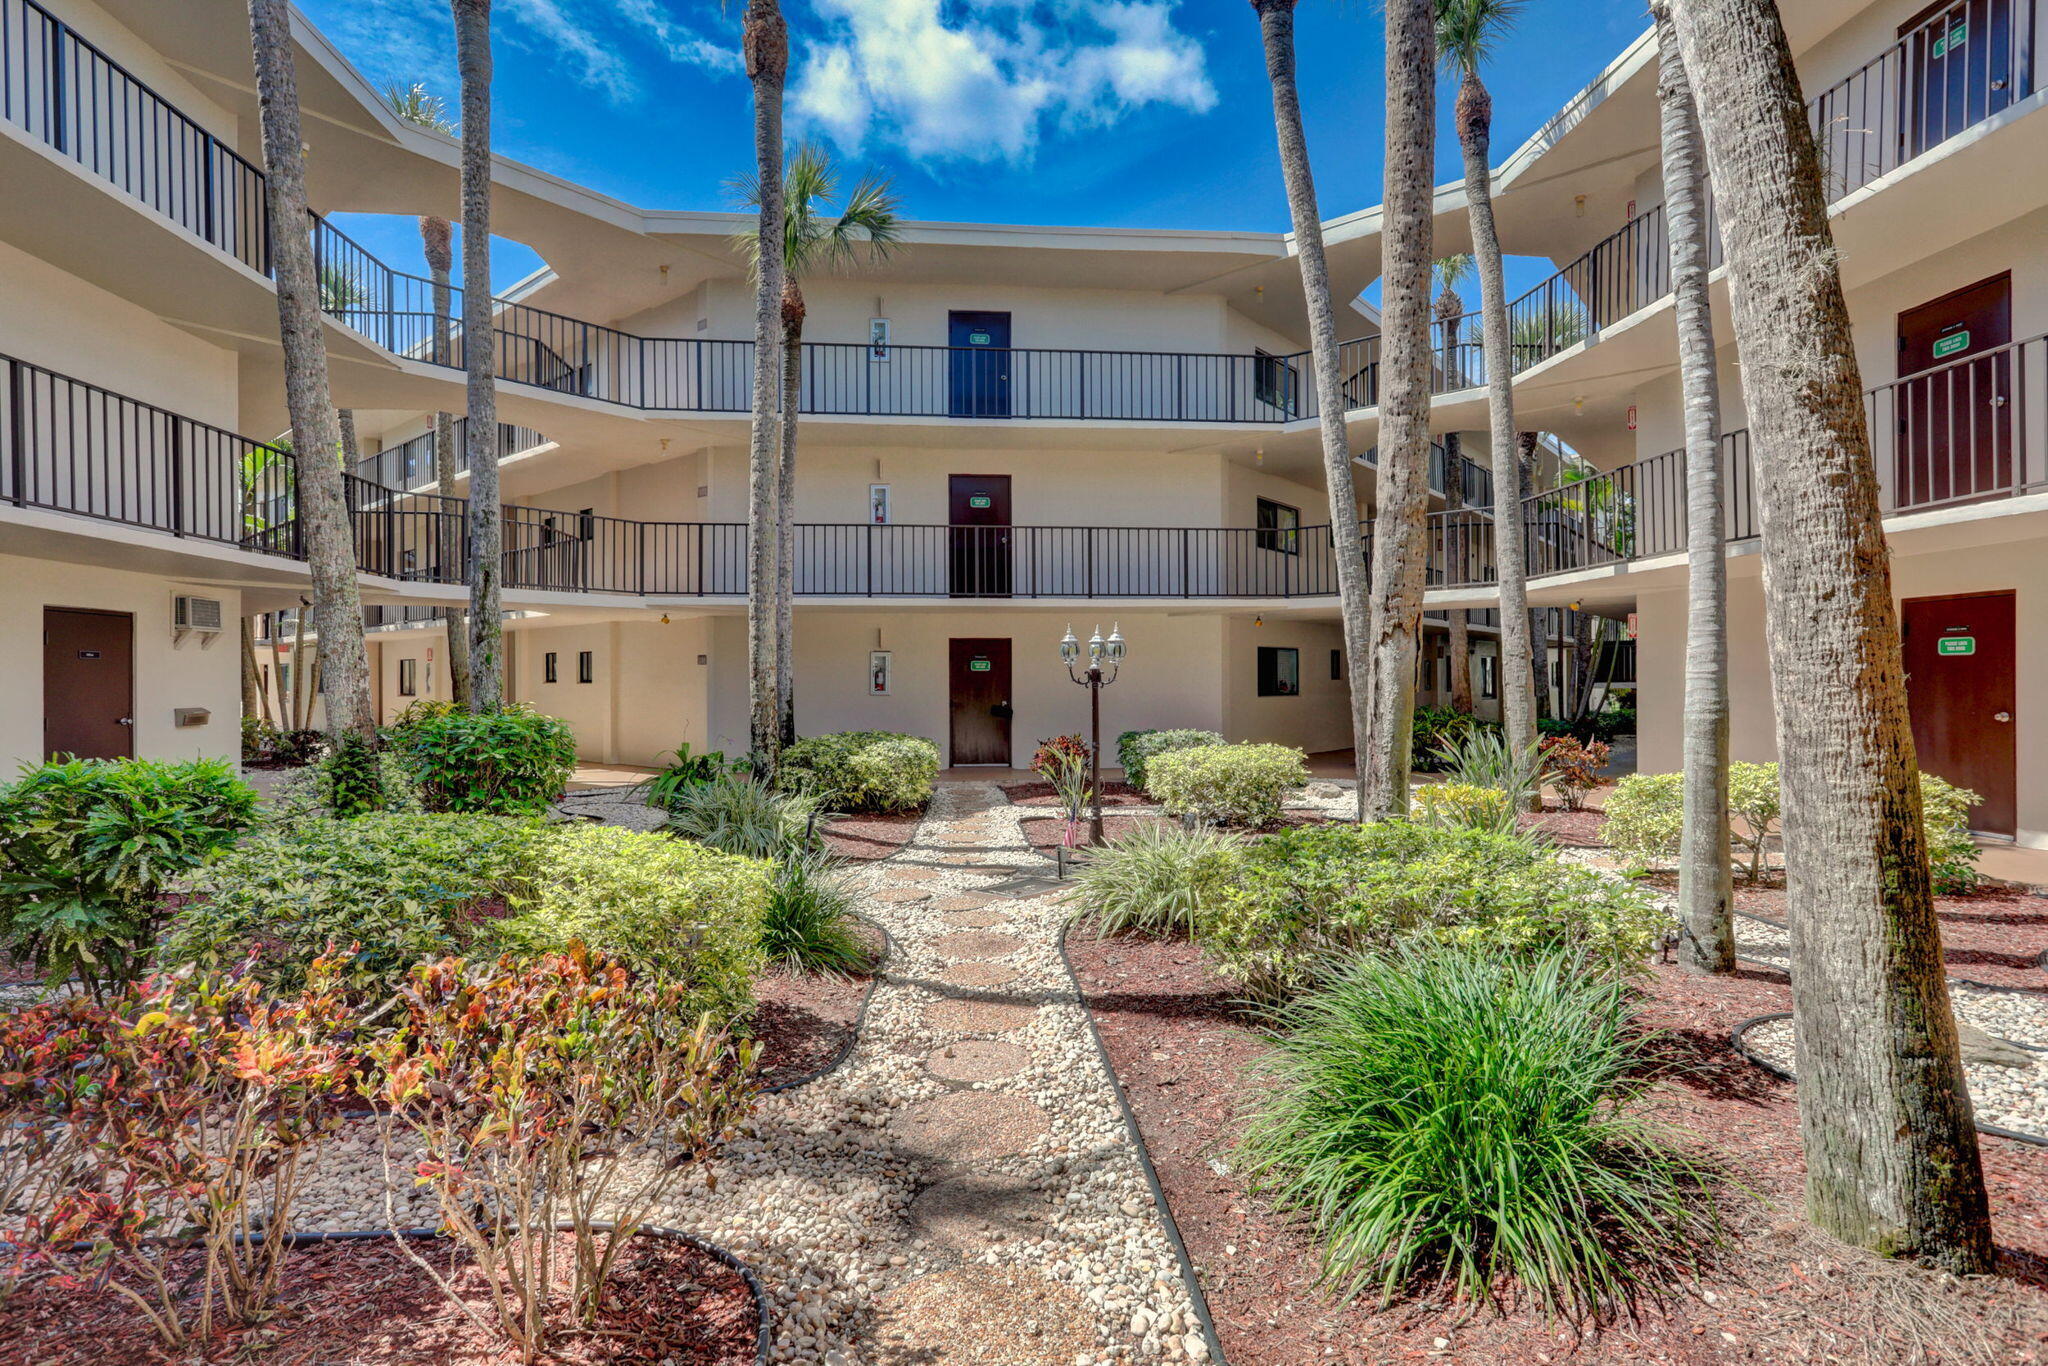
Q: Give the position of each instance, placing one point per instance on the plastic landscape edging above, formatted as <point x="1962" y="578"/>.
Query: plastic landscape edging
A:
<point x="860" y="1018"/>
<point x="1188" y="1277"/>
<point x="1959" y="981"/>
<point x="1784" y="1073"/>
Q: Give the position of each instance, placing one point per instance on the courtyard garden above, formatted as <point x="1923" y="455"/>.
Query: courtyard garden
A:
<point x="421" y="1057"/>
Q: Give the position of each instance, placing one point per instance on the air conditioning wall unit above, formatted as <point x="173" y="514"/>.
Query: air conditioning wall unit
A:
<point x="192" y="615"/>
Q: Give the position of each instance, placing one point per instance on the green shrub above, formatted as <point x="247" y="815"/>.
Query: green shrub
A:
<point x="1305" y="900"/>
<point x="297" y="748"/>
<point x="737" y="814"/>
<point x="1135" y="749"/>
<point x="1226" y="784"/>
<point x="1646" y="815"/>
<point x="808" y="925"/>
<point x="512" y="762"/>
<point x="862" y="770"/>
<point x="685" y="770"/>
<point x="1452" y="805"/>
<point x="259" y="738"/>
<point x="88" y="846"/>
<point x="399" y="887"/>
<point x="679" y="913"/>
<point x="1155" y="880"/>
<point x="309" y="793"/>
<point x="421" y="710"/>
<point x="1441" y="728"/>
<point x="1474" y="1117"/>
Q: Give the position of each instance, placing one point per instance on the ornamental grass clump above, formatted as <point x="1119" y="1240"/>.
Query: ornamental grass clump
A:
<point x="1473" y="1119"/>
<point x="1155" y="880"/>
<point x="739" y="814"/>
<point x="808" y="925"/>
<point x="560" y="1091"/>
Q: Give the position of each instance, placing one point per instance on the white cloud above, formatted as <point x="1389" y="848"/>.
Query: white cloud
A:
<point x="602" y="67"/>
<point x="981" y="80"/>
<point x="682" y="43"/>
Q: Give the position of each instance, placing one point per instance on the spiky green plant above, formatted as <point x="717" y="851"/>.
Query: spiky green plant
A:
<point x="809" y="924"/>
<point x="1158" y="879"/>
<point x="1474" y="1118"/>
<point x="742" y="815"/>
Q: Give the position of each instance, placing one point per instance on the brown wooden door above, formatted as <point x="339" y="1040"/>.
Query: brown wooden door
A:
<point x="981" y="702"/>
<point x="1959" y="684"/>
<point x="978" y="509"/>
<point x="1956" y="418"/>
<point x="88" y="683"/>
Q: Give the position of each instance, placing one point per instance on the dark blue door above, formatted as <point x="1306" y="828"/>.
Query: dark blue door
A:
<point x="980" y="364"/>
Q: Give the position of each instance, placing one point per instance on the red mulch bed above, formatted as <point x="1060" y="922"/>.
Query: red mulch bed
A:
<point x="1995" y="934"/>
<point x="1579" y="829"/>
<point x="803" y="1019"/>
<point x="367" y="1304"/>
<point x="1782" y="1293"/>
<point x="871" y="837"/>
<point x="1042" y="794"/>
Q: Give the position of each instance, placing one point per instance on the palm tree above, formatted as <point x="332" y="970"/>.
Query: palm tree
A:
<point x="322" y="496"/>
<point x="1276" y="34"/>
<point x="1399" y="558"/>
<point x="419" y="107"/>
<point x="765" y="45"/>
<point x="1706" y="877"/>
<point x="1452" y="271"/>
<point x="812" y="238"/>
<point x="1466" y="33"/>
<point x="479" y="354"/>
<point x="1891" y="1154"/>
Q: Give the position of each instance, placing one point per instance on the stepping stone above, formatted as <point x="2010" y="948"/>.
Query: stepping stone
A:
<point x="974" y="920"/>
<point x="972" y="1016"/>
<point x="970" y="1126"/>
<point x="978" y="975"/>
<point x="971" y="1214"/>
<point x="976" y="944"/>
<point x="902" y="894"/>
<point x="986" y="1315"/>
<point x="908" y="872"/>
<point x="962" y="901"/>
<point x="974" y="1060"/>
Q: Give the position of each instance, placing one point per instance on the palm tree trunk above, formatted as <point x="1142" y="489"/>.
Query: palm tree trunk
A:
<point x="1457" y="556"/>
<point x="1399" y="558"/>
<point x="479" y="354"/>
<point x="1583" y="626"/>
<point x="1706" y="875"/>
<point x="1891" y="1154"/>
<point x="785" y="513"/>
<point x="322" y="496"/>
<point x="1276" y="33"/>
<point x="1510" y="483"/>
<point x="252" y="690"/>
<point x="765" y="43"/>
<point x="434" y="239"/>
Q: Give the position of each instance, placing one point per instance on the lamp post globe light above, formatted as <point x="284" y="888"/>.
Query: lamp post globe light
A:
<point x="1105" y="657"/>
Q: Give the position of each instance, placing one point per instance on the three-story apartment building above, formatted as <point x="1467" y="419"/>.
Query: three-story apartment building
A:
<point x="1004" y="429"/>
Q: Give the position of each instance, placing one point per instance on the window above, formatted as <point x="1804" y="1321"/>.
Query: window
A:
<point x="1279" y="671"/>
<point x="550" y="671"/>
<point x="586" y="667"/>
<point x="1489" y="676"/>
<point x="1279" y="527"/>
<point x="1272" y="380"/>
<point x="1336" y="666"/>
<point x="408" y="678"/>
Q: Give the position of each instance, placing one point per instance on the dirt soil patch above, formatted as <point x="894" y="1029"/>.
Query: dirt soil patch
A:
<point x="871" y="837"/>
<point x="1042" y="794"/>
<point x="1995" y="934"/>
<point x="803" y="1019"/>
<point x="1779" y="1292"/>
<point x="1575" y="829"/>
<point x="367" y="1304"/>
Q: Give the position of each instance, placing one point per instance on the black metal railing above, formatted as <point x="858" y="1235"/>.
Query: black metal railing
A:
<point x="410" y="464"/>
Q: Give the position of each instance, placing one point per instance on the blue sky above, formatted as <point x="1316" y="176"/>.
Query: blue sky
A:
<point x="1118" y="113"/>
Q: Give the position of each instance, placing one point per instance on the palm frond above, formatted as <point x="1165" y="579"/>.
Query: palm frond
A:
<point x="1468" y="31"/>
<point x="419" y="106"/>
<point x="812" y="235"/>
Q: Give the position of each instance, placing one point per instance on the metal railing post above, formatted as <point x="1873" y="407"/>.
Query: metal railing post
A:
<point x="177" y="480"/>
<point x="59" y="85"/>
<point x="17" y="432"/>
<point x="211" y="151"/>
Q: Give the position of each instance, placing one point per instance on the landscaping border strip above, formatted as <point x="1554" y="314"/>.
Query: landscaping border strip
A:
<point x="860" y="1018"/>
<point x="1785" y="1074"/>
<point x="1189" y="1279"/>
<point x="1974" y="985"/>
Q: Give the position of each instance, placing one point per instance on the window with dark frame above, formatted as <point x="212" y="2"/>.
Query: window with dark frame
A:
<point x="1279" y="671"/>
<point x="408" y="678"/>
<point x="1272" y="380"/>
<point x="1336" y="666"/>
<point x="550" y="670"/>
<point x="1279" y="527"/>
<point x="1489" y="677"/>
<point x="586" y="667"/>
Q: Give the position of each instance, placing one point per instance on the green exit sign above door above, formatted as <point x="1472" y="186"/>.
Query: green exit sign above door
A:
<point x="978" y="666"/>
<point x="1956" y="645"/>
<point x="980" y="500"/>
<point x="1951" y="344"/>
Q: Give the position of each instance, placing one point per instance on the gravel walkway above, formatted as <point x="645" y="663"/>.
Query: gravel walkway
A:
<point x="963" y="1188"/>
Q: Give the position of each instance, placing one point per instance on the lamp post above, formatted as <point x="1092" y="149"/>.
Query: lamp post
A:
<point x="1104" y="659"/>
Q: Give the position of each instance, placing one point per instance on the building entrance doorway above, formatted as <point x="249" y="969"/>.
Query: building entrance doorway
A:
<point x="1954" y="399"/>
<point x="88" y="683"/>
<point x="981" y="708"/>
<point x="1960" y="687"/>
